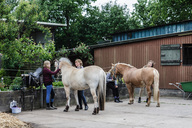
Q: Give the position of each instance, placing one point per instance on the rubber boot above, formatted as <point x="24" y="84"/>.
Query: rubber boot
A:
<point x="49" y="107"/>
<point x="86" y="107"/>
<point x="115" y="99"/>
<point x="119" y="100"/>
<point x="53" y="106"/>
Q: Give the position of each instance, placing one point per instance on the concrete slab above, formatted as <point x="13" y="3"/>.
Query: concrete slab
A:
<point x="175" y="112"/>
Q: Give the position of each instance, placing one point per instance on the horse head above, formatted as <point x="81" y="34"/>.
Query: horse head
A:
<point x="113" y="70"/>
<point x="116" y="70"/>
<point x="64" y="61"/>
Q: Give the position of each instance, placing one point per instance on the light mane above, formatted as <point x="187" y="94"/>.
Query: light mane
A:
<point x="64" y="59"/>
<point x="126" y="65"/>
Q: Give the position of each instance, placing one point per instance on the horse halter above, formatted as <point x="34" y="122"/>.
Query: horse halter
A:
<point x="114" y="70"/>
<point x="57" y="61"/>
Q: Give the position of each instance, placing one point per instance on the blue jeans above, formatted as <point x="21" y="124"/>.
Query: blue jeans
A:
<point x="49" y="92"/>
<point x="81" y="97"/>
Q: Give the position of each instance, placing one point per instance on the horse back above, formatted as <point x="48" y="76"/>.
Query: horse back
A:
<point x="148" y="74"/>
<point x="140" y="76"/>
<point x="92" y="71"/>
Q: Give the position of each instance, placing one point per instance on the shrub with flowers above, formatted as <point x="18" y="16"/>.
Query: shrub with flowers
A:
<point x="63" y="52"/>
<point x="84" y="52"/>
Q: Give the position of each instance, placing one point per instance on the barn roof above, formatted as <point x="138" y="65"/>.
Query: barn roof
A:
<point x="150" y="33"/>
<point x="42" y="23"/>
<point x="51" y="24"/>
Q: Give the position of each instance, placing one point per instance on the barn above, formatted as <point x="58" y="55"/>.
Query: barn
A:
<point x="170" y="46"/>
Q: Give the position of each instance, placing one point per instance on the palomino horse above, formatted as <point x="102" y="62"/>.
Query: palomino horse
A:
<point x="133" y="77"/>
<point x="92" y="77"/>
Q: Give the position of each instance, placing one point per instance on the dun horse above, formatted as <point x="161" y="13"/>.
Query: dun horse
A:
<point x="133" y="77"/>
<point x="92" y="77"/>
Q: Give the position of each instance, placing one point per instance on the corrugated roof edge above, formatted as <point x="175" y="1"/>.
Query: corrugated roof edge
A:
<point x="133" y="30"/>
<point x="51" y="24"/>
<point x="42" y="23"/>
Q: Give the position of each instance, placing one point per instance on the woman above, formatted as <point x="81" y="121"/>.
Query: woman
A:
<point x="47" y="80"/>
<point x="150" y="63"/>
<point x="81" y="96"/>
<point x="112" y="84"/>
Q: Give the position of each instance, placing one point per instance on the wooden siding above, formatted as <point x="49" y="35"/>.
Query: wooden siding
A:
<point x="138" y="54"/>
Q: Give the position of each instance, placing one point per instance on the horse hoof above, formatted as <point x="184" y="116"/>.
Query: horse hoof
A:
<point x="77" y="108"/>
<point x="147" y="105"/>
<point x="130" y="103"/>
<point x="158" y="106"/>
<point x="65" y="110"/>
<point x="97" y="110"/>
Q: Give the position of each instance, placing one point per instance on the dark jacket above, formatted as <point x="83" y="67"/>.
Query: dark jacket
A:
<point x="47" y="76"/>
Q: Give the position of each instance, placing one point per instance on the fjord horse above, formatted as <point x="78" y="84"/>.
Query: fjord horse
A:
<point x="133" y="77"/>
<point x="92" y="77"/>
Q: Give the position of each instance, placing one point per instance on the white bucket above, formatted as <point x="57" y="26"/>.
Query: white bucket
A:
<point x="16" y="110"/>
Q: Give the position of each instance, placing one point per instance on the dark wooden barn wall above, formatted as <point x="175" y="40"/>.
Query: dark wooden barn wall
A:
<point x="138" y="54"/>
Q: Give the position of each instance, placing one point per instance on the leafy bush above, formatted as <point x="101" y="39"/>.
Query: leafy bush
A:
<point x="17" y="81"/>
<point x="40" y="87"/>
<point x="15" y="87"/>
<point x="2" y="73"/>
<point x="16" y="84"/>
<point x="58" y="84"/>
<point x="84" y="51"/>
<point x="3" y="89"/>
<point x="7" y="80"/>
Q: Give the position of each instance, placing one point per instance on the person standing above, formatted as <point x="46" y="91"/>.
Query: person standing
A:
<point x="47" y="80"/>
<point x="112" y="84"/>
<point x="81" y="96"/>
<point x="150" y="63"/>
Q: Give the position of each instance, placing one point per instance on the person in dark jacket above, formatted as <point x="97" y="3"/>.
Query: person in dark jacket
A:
<point x="112" y="84"/>
<point x="47" y="80"/>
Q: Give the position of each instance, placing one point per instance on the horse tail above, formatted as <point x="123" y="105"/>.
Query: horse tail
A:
<point x="156" y="85"/>
<point x="101" y="90"/>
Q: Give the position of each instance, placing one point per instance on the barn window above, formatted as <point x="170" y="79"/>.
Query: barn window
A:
<point x="170" y="54"/>
<point x="187" y="54"/>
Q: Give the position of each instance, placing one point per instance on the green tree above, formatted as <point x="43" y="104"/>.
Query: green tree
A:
<point x="68" y="12"/>
<point x="142" y="12"/>
<point x="16" y="44"/>
<point x="176" y="10"/>
<point x="99" y="23"/>
<point x="159" y="12"/>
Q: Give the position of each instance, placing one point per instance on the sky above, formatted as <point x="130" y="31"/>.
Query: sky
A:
<point x="129" y="3"/>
